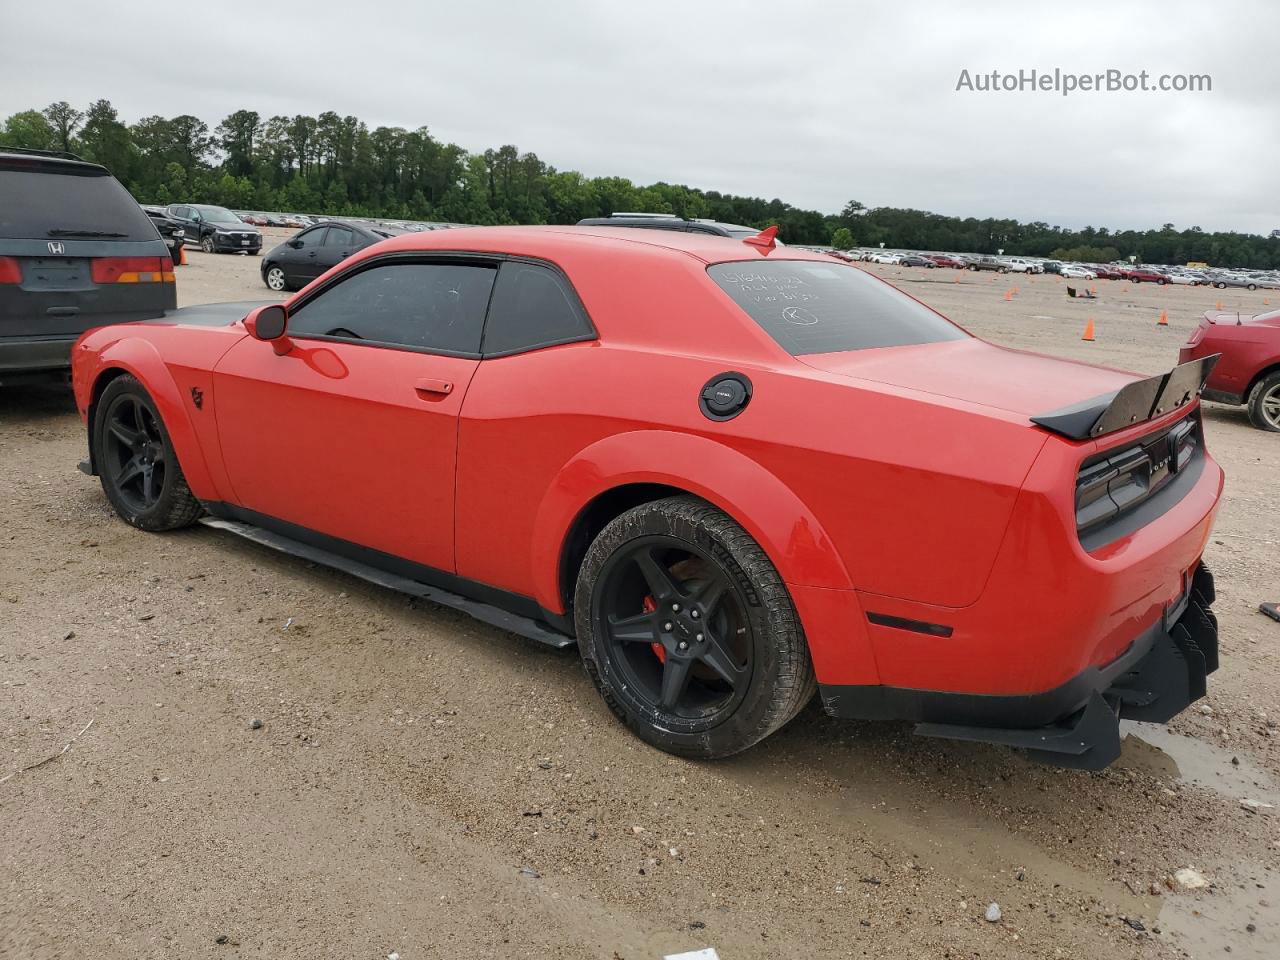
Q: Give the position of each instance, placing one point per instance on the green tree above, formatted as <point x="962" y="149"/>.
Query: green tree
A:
<point x="29" y="129"/>
<point x="64" y="119"/>
<point x="105" y="140"/>
<point x="842" y="238"/>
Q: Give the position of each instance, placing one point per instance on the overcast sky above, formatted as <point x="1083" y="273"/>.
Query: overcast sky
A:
<point x="814" y="103"/>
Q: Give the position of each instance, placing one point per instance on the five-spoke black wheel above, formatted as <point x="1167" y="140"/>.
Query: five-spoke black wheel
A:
<point x="136" y="461"/>
<point x="688" y="631"/>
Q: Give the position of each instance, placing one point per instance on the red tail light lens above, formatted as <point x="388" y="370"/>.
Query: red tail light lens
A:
<point x="132" y="270"/>
<point x="10" y="272"/>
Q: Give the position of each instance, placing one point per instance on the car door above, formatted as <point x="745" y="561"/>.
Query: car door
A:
<point x="350" y="437"/>
<point x="300" y="262"/>
<point x="339" y="243"/>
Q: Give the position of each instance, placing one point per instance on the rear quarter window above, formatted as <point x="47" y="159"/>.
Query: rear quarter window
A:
<point x="812" y="307"/>
<point x="41" y="202"/>
<point x="533" y="306"/>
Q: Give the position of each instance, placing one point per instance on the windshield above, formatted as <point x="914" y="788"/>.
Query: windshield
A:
<point x="825" y="307"/>
<point x="218" y="215"/>
<point x="72" y="203"/>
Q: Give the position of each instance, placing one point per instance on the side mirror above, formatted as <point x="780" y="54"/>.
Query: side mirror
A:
<point x="295" y="243"/>
<point x="268" y="323"/>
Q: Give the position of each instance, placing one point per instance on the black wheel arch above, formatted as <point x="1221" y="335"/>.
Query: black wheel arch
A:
<point x="594" y="517"/>
<point x="105" y="377"/>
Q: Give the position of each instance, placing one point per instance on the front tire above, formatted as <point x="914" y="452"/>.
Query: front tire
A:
<point x="206" y="244"/>
<point x="136" y="461"/>
<point x="688" y="632"/>
<point x="1264" y="403"/>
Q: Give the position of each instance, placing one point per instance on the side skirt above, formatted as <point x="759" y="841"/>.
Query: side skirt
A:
<point x="484" y="612"/>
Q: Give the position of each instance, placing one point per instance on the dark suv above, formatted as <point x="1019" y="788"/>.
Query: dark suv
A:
<point x="667" y="221"/>
<point x="76" y="251"/>
<point x="171" y="231"/>
<point x="216" y="229"/>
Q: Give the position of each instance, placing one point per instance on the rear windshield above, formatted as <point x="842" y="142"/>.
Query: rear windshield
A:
<point x="70" y="204"/>
<point x="813" y="307"/>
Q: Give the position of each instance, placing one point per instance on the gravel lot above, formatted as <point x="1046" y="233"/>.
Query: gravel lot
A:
<point x="426" y="785"/>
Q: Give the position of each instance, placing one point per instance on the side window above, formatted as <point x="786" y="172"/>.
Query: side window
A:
<point x="426" y="306"/>
<point x="339" y="237"/>
<point x="533" y="306"/>
<point x="312" y="238"/>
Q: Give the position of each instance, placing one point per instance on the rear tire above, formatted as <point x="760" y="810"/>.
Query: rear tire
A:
<point x="688" y="632"/>
<point x="275" y="279"/>
<point x="1264" y="403"/>
<point x="136" y="461"/>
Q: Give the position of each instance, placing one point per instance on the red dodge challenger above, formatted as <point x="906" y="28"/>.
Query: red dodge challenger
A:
<point x="731" y="471"/>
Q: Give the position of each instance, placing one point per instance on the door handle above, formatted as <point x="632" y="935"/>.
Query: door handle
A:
<point x="438" y="387"/>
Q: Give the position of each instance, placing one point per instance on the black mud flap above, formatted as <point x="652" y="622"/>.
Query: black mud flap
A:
<point x="1088" y="740"/>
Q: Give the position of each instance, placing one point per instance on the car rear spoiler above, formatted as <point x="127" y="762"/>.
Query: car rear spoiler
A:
<point x="1132" y="403"/>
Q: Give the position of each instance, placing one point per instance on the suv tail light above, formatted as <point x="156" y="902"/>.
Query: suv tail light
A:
<point x="10" y="272"/>
<point x="132" y="270"/>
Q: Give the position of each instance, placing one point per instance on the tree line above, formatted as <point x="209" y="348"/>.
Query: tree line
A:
<point x="336" y="165"/>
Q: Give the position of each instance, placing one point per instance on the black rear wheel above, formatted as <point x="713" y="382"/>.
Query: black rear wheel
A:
<point x="136" y="462"/>
<point x="688" y="631"/>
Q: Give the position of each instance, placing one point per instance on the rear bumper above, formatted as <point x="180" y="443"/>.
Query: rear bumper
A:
<point x="35" y="354"/>
<point x="1076" y="724"/>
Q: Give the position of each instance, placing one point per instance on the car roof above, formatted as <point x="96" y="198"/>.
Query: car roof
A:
<point x="35" y="160"/>
<point x="529" y="241"/>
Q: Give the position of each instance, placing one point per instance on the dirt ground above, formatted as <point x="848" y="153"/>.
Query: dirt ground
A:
<point x="426" y="785"/>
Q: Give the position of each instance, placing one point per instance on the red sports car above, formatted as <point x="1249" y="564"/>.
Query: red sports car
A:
<point x="1249" y="371"/>
<point x="730" y="471"/>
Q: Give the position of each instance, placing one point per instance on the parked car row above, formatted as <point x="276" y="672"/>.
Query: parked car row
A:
<point x="1134" y="273"/>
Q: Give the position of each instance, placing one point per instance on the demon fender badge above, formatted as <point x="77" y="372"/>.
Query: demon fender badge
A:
<point x="197" y="397"/>
<point x="55" y="246"/>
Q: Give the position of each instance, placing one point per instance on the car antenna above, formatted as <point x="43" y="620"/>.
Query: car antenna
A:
<point x="765" y="238"/>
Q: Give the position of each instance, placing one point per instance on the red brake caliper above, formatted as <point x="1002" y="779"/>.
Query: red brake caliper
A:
<point x="649" y="607"/>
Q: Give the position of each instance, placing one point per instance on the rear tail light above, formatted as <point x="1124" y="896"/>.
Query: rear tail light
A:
<point x="1109" y="487"/>
<point x="10" y="272"/>
<point x="132" y="270"/>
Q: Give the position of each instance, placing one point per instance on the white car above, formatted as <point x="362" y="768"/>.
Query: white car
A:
<point x="1022" y="265"/>
<point x="1073" y="272"/>
<point x="1186" y="279"/>
<point x="885" y="258"/>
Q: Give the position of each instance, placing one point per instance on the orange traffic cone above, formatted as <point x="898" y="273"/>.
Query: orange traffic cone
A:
<point x="1093" y="289"/>
<point x="1266" y="301"/>
<point x="1088" y="330"/>
<point x="1218" y="306"/>
<point x="1164" y="319"/>
<point x="1008" y="295"/>
<point x="1015" y="291"/>
<point x="182" y="256"/>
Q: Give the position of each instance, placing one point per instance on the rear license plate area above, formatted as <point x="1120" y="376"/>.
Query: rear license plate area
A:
<point x="56" y="273"/>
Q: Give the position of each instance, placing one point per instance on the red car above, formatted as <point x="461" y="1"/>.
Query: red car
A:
<point x="1107" y="272"/>
<point x="729" y="471"/>
<point x="1249" y="370"/>
<point x="942" y="260"/>
<point x="1145" y="275"/>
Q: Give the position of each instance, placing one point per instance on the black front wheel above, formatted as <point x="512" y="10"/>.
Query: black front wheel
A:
<point x="206" y="244"/>
<point x="688" y="631"/>
<point x="136" y="461"/>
